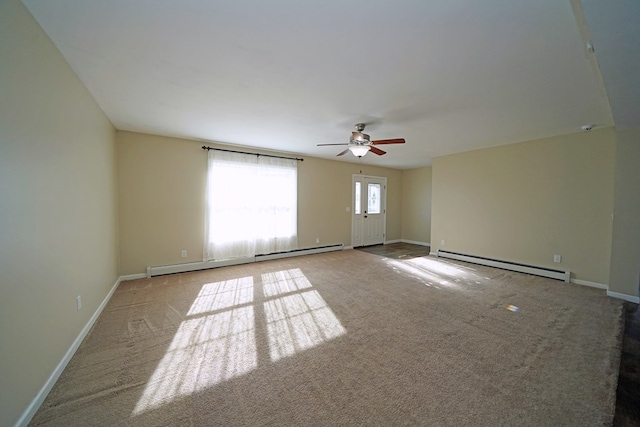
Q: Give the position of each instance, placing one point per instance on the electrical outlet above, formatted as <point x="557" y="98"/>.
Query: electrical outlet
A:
<point x="79" y="302"/>
<point x="317" y="240"/>
<point x="442" y="242"/>
<point x="348" y="209"/>
<point x="184" y="253"/>
<point x="557" y="258"/>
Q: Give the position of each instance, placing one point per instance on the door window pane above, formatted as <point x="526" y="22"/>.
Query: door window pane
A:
<point x="356" y="202"/>
<point x="373" y="199"/>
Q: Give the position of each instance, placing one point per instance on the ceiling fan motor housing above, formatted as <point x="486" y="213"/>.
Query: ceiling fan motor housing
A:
<point x="359" y="138"/>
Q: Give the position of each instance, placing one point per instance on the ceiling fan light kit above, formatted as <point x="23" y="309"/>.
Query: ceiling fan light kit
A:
<point x="360" y="143"/>
<point x="359" y="150"/>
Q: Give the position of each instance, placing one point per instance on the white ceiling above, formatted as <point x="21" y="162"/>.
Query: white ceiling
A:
<point x="447" y="75"/>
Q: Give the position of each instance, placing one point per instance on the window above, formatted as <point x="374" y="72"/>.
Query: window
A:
<point x="251" y="205"/>
<point x="356" y="209"/>
<point x="373" y="201"/>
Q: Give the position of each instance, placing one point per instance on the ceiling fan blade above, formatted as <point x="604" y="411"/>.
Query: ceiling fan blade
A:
<point x="388" y="141"/>
<point x="344" y="152"/>
<point x="344" y="143"/>
<point x="378" y="151"/>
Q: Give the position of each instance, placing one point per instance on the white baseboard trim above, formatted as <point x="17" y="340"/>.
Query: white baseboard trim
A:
<point x="391" y="242"/>
<point x="35" y="404"/>
<point x="507" y="265"/>
<point x="347" y="247"/>
<point x="625" y="297"/>
<point x="414" y="242"/>
<point x="300" y="252"/>
<point x="205" y="265"/>
<point x="590" y="284"/>
<point x="194" y="266"/>
<point x="133" y="277"/>
<point x="611" y="294"/>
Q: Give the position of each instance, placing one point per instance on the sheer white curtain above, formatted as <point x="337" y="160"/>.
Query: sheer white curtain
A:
<point x="251" y="205"/>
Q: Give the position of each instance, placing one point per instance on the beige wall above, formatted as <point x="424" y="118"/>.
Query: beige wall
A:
<point x="416" y="205"/>
<point x="161" y="200"/>
<point x="526" y="202"/>
<point x="625" y="254"/>
<point x="324" y="193"/>
<point x="58" y="198"/>
<point x="161" y="186"/>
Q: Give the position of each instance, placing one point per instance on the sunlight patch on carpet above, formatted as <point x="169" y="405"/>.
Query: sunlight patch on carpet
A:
<point x="298" y="322"/>
<point x="206" y="350"/>
<point x="285" y="281"/>
<point x="219" y="295"/>
<point x="218" y="340"/>
<point x="431" y="272"/>
<point x="439" y="267"/>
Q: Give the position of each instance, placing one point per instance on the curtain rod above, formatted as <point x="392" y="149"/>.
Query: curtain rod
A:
<point x="204" y="147"/>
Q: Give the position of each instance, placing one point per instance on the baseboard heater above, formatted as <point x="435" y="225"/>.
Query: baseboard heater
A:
<point x="205" y="265"/>
<point x="507" y="265"/>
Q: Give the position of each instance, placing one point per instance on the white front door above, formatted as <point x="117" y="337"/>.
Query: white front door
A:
<point x="369" y="210"/>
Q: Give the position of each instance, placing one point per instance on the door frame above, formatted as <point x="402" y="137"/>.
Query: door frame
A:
<point x="359" y="177"/>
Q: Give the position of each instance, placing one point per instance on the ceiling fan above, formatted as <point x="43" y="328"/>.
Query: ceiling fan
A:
<point x="360" y="143"/>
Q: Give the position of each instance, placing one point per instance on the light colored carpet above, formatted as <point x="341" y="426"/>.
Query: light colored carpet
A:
<point x="345" y="338"/>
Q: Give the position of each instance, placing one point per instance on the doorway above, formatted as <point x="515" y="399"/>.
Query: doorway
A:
<point x="369" y="214"/>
